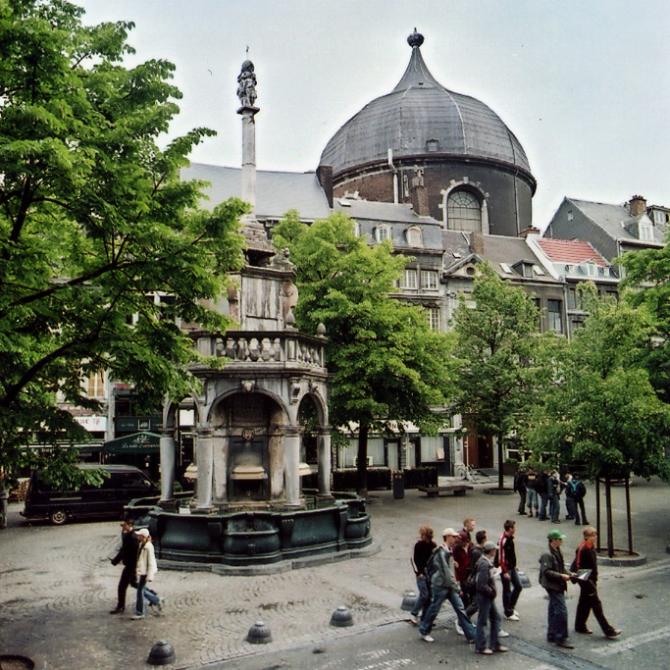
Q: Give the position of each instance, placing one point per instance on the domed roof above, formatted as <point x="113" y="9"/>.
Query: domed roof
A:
<point x="420" y="116"/>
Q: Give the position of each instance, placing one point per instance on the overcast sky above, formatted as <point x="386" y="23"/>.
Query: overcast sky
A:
<point x="584" y="84"/>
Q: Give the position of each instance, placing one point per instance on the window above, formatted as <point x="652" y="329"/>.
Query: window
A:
<point x="433" y="315"/>
<point x="572" y="298"/>
<point x="414" y="236"/>
<point x="464" y="212"/>
<point x="506" y="268"/>
<point x="95" y="385"/>
<point x="429" y="279"/>
<point x="554" y="316"/>
<point x="538" y="270"/>
<point x="409" y="279"/>
<point x="538" y="306"/>
<point x="646" y="232"/>
<point x="382" y="233"/>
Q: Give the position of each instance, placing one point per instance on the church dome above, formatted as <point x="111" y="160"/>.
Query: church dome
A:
<point x="420" y="117"/>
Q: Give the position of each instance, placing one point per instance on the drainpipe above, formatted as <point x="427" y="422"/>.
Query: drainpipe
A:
<point x="395" y="176"/>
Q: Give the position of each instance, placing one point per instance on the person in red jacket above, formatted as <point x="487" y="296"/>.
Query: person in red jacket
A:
<point x="462" y="558"/>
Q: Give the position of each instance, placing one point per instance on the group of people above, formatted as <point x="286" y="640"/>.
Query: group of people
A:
<point x="465" y="572"/>
<point x="139" y="569"/>
<point x="540" y="492"/>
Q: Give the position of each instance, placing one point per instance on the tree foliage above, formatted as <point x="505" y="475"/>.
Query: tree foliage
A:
<point x="386" y="365"/>
<point x="501" y="360"/>
<point x="648" y="280"/>
<point x="94" y="220"/>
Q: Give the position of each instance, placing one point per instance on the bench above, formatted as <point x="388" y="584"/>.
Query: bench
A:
<point x="456" y="489"/>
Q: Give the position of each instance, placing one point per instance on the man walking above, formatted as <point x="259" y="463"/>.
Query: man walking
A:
<point x="486" y="602"/>
<point x="554" y="578"/>
<point x="423" y="548"/>
<point x="462" y="556"/>
<point x="128" y="555"/>
<point x="587" y="559"/>
<point x="509" y="575"/>
<point x="580" y="493"/>
<point x="443" y="585"/>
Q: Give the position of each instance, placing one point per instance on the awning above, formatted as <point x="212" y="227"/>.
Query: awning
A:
<point x="137" y="443"/>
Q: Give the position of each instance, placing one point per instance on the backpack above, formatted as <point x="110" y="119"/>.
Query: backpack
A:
<point x="580" y="490"/>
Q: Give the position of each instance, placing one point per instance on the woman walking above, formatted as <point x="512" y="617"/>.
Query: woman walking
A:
<point x="145" y="572"/>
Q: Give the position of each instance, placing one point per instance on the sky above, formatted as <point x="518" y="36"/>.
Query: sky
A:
<point x="584" y="85"/>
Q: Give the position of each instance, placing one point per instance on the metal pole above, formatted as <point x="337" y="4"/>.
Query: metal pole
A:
<point x="628" y="516"/>
<point x="608" y="511"/>
<point x="599" y="547"/>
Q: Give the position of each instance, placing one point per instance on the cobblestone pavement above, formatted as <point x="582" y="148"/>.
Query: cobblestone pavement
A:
<point x="57" y="585"/>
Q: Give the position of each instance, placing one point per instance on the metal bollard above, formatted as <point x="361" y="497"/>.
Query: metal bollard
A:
<point x="259" y="633"/>
<point x="341" y="617"/>
<point x="408" y="601"/>
<point x="162" y="653"/>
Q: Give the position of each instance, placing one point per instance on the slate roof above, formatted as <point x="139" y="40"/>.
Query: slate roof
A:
<point x="613" y="219"/>
<point x="420" y="109"/>
<point x="571" y="252"/>
<point x="276" y="192"/>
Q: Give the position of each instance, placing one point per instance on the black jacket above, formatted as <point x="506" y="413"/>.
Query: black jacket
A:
<point x="587" y="559"/>
<point x="128" y="551"/>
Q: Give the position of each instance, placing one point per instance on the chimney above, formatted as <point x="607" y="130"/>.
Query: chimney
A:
<point x="324" y="174"/>
<point x="477" y="243"/>
<point x="637" y="205"/>
<point x="419" y="194"/>
<point x="528" y="232"/>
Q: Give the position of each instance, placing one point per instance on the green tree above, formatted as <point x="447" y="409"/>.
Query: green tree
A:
<point x="603" y="410"/>
<point x="500" y="357"/>
<point x="386" y="365"/>
<point x="94" y="220"/>
<point x="648" y="280"/>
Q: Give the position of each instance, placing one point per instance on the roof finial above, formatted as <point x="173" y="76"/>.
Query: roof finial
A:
<point x="415" y="40"/>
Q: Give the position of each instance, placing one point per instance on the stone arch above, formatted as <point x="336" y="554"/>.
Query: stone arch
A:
<point x="472" y="189"/>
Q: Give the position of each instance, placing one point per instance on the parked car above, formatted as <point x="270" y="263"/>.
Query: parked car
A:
<point x="123" y="483"/>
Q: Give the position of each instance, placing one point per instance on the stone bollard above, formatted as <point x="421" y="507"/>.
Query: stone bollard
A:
<point x="341" y="617"/>
<point x="259" y="633"/>
<point x="524" y="579"/>
<point x="408" y="601"/>
<point x="162" y="653"/>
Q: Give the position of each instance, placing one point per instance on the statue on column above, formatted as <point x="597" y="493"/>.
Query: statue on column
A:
<point x="246" y="85"/>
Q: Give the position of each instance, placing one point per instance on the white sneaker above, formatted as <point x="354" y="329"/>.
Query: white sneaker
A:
<point x="515" y="612"/>
<point x="414" y="620"/>
<point x="428" y="638"/>
<point x="503" y="633"/>
<point x="137" y="617"/>
<point x="512" y="617"/>
<point x="459" y="630"/>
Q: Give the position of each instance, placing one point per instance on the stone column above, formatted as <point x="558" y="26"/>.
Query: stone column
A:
<point x="204" y="459"/>
<point x="291" y="463"/>
<point x="325" y="465"/>
<point x="167" y="451"/>
<point x="249" y="156"/>
<point x="220" y="457"/>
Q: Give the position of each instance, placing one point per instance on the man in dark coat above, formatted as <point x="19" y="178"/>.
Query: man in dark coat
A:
<point x="587" y="559"/>
<point x="520" y="487"/>
<point x="554" y="578"/>
<point x="508" y="571"/>
<point x="486" y="602"/>
<point x="128" y="555"/>
<point x="542" y="488"/>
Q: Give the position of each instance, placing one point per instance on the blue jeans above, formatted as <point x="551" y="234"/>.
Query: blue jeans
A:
<point x="543" y="506"/>
<point x="554" y="508"/>
<point x="511" y="590"/>
<point x="423" y="597"/>
<point x="144" y="593"/>
<point x="557" y="617"/>
<point x="487" y="612"/>
<point x="465" y="623"/>
<point x="439" y="595"/>
<point x="532" y="500"/>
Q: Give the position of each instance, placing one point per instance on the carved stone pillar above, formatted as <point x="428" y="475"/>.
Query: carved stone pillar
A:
<point x="325" y="465"/>
<point x="220" y="448"/>
<point x="291" y="464"/>
<point x="167" y="452"/>
<point x="204" y="459"/>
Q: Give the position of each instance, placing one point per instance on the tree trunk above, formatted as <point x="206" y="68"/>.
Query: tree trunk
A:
<point x="362" y="464"/>
<point x="608" y="511"/>
<point x="4" y="495"/>
<point x="501" y="484"/>
<point x="599" y="545"/>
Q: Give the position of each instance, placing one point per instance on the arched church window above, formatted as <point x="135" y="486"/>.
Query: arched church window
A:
<point x="464" y="212"/>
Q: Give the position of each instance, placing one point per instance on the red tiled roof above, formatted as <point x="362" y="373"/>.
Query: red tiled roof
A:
<point x="571" y="252"/>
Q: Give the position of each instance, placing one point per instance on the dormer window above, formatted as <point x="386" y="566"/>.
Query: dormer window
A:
<point x="382" y="233"/>
<point x="646" y="232"/>
<point x="414" y="236"/>
<point x="524" y="269"/>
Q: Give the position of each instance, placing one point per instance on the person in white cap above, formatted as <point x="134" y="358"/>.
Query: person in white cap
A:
<point x="145" y="572"/>
<point x="443" y="585"/>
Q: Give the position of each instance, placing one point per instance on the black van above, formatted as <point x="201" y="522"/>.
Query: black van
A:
<point x="123" y="483"/>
